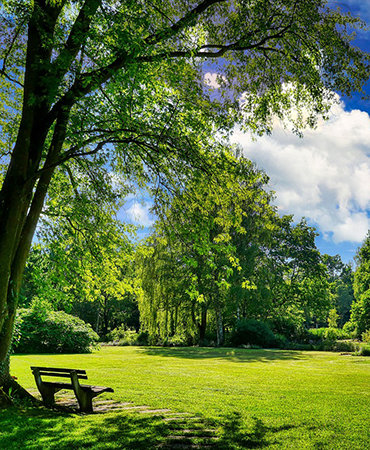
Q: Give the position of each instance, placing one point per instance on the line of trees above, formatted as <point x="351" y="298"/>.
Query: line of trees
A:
<point x="219" y="254"/>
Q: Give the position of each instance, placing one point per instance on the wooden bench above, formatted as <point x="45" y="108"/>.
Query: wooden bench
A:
<point x="84" y="393"/>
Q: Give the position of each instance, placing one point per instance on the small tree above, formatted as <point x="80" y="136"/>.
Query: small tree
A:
<point x="333" y="318"/>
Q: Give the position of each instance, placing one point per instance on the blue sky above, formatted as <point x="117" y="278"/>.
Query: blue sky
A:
<point x="324" y="176"/>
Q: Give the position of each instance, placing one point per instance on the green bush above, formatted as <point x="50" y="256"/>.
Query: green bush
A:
<point x="365" y="337"/>
<point x="345" y="346"/>
<point x="117" y="334"/>
<point x="45" y="331"/>
<point x="328" y="334"/>
<point x="364" y="350"/>
<point x="129" y="337"/>
<point x="251" y="331"/>
<point x="122" y="336"/>
<point x="350" y="328"/>
<point x="287" y="327"/>
<point x="176" y="341"/>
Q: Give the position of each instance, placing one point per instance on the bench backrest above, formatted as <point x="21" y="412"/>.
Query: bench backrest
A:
<point x="59" y="372"/>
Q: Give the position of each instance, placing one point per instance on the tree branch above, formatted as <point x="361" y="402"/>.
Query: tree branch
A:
<point x="76" y="38"/>
<point x="185" y="21"/>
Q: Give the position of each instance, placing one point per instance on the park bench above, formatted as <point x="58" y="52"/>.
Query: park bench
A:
<point x="84" y="393"/>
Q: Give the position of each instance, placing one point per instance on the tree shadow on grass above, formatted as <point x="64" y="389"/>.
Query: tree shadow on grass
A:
<point x="35" y="428"/>
<point x="229" y="354"/>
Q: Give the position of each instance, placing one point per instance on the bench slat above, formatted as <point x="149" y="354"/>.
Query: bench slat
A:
<point x="58" y="369"/>
<point x="61" y="375"/>
<point x="59" y="385"/>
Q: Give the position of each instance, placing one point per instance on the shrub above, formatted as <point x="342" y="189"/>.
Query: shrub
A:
<point x="177" y="341"/>
<point x="123" y="336"/>
<point x="129" y="337"/>
<point x="143" y="338"/>
<point x="328" y="334"/>
<point x="364" y="350"/>
<point x="251" y="331"/>
<point x="350" y="329"/>
<point x="280" y="341"/>
<point x="287" y="327"/>
<point x="365" y="337"/>
<point x="345" y="346"/>
<point x="43" y="331"/>
<point x="317" y="332"/>
<point x="117" y="334"/>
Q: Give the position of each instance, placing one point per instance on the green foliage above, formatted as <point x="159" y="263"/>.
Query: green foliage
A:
<point x="251" y="331"/>
<point x="290" y="327"/>
<point x="347" y="346"/>
<point x="350" y="329"/>
<point x="47" y="331"/>
<point x="360" y="312"/>
<point x="330" y="334"/>
<point x="223" y="253"/>
<point x="333" y="318"/>
<point x="82" y="262"/>
<point x="119" y="88"/>
<point x="340" y="278"/>
<point x="364" y="350"/>
<point x="365" y="337"/>
<point x="123" y="336"/>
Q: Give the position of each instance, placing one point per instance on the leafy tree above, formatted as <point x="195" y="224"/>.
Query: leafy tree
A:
<point x="340" y="277"/>
<point x="220" y="255"/>
<point x="84" y="253"/>
<point x="122" y="81"/>
<point x="333" y="318"/>
<point x="194" y="243"/>
<point x="360" y="311"/>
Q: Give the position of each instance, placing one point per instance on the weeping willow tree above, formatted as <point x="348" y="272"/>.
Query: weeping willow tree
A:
<point x="221" y="253"/>
<point x="193" y="259"/>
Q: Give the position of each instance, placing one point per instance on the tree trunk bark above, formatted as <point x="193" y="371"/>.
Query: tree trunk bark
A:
<point x="4" y="370"/>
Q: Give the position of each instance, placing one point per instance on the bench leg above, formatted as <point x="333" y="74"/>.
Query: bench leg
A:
<point x="85" y="401"/>
<point x="47" y="396"/>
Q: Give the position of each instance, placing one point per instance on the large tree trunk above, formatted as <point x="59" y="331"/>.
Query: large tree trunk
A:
<point x="4" y="371"/>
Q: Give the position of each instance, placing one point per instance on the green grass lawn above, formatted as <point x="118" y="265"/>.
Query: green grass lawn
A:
<point x="253" y="398"/>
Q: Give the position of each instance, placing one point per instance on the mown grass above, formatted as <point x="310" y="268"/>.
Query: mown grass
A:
<point x="254" y="398"/>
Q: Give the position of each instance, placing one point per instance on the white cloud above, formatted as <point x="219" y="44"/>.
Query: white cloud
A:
<point x="213" y="79"/>
<point x="325" y="176"/>
<point x="140" y="214"/>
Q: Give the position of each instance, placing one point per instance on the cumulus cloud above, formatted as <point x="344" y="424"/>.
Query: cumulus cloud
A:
<point x="325" y="176"/>
<point x="139" y="214"/>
